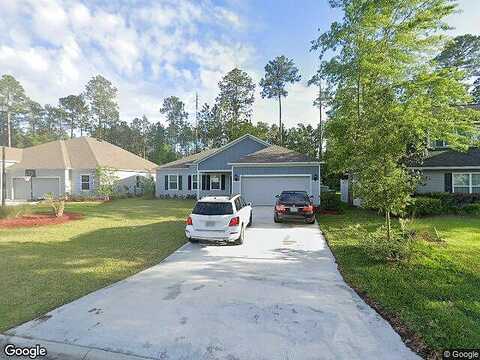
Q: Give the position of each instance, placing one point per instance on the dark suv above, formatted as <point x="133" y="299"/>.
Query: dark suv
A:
<point x="293" y="205"/>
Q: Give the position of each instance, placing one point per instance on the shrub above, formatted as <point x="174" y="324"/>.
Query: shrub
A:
<point x="57" y="204"/>
<point x="148" y="185"/>
<point x="454" y="201"/>
<point x="107" y="182"/>
<point x="331" y="201"/>
<point x="9" y="212"/>
<point x="425" y="206"/>
<point x="472" y="209"/>
<point x="376" y="244"/>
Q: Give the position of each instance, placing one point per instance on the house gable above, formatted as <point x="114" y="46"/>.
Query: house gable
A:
<point x="231" y="153"/>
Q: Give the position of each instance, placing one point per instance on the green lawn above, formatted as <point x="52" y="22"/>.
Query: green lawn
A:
<point x="436" y="294"/>
<point x="45" y="267"/>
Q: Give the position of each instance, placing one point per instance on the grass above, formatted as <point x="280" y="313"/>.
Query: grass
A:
<point x="436" y="295"/>
<point x="45" y="267"/>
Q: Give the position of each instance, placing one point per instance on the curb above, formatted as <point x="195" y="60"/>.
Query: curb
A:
<point x="62" y="351"/>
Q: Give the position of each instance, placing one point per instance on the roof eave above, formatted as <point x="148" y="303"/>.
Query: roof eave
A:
<point x="284" y="163"/>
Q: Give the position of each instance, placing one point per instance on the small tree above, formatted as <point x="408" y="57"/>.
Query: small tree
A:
<point x="57" y="204"/>
<point x="107" y="182"/>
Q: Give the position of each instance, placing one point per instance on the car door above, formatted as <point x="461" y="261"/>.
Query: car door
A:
<point x="240" y="210"/>
<point x="247" y="209"/>
<point x="244" y="212"/>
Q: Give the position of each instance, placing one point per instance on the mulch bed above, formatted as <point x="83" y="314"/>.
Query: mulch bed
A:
<point x="39" y="220"/>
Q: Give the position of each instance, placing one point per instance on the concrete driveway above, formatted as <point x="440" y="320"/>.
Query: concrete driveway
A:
<point x="278" y="296"/>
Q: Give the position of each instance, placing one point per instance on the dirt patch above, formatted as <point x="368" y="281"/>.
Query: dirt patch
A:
<point x="40" y="219"/>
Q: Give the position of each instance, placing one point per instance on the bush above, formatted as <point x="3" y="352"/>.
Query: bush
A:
<point x="425" y="206"/>
<point x="9" y="212"/>
<point x="454" y="201"/>
<point x="472" y="209"/>
<point x="57" y="204"/>
<point x="148" y="185"/>
<point x="331" y="201"/>
<point x="376" y="244"/>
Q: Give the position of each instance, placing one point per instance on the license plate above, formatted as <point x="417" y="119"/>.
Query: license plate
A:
<point x="293" y="209"/>
<point x="209" y="223"/>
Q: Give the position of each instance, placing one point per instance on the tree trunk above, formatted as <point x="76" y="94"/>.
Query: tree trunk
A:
<point x="71" y="129"/>
<point x="280" y="125"/>
<point x="389" y="225"/>
<point x="320" y="135"/>
<point x="9" y="129"/>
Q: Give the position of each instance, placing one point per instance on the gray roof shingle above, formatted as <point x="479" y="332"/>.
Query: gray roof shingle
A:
<point x="186" y="161"/>
<point x="274" y="154"/>
<point x="452" y="158"/>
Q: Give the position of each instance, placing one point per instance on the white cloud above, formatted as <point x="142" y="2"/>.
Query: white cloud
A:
<point x="467" y="20"/>
<point x="148" y="52"/>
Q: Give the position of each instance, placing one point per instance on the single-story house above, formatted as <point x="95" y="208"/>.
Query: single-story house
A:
<point x="247" y="166"/>
<point x="69" y="167"/>
<point x="447" y="170"/>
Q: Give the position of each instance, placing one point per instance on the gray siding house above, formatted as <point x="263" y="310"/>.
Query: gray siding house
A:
<point x="247" y="166"/>
<point x="446" y="170"/>
<point x="69" y="167"/>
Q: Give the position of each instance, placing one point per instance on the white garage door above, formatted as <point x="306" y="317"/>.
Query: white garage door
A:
<point x="20" y="189"/>
<point x="41" y="186"/>
<point x="262" y="190"/>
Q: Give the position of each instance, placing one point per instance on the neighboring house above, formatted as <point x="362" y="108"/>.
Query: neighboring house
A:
<point x="12" y="156"/>
<point x="247" y="166"/>
<point x="447" y="170"/>
<point x="69" y="166"/>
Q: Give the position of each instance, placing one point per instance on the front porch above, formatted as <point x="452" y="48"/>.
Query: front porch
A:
<point x="214" y="183"/>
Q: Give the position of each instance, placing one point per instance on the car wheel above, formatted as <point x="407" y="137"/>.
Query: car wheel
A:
<point x="242" y="236"/>
<point x="311" y="221"/>
<point x="276" y="219"/>
<point x="193" y="241"/>
<point x="250" y="221"/>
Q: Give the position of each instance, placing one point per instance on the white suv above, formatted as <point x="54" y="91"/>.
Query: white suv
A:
<point x="219" y="218"/>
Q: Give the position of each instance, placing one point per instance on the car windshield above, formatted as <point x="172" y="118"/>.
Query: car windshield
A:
<point x="294" y="197"/>
<point x="213" y="208"/>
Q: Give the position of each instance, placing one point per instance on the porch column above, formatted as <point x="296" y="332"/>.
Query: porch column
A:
<point x="199" y="184"/>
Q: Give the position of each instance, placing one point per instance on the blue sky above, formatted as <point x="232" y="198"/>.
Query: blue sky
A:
<point x="155" y="49"/>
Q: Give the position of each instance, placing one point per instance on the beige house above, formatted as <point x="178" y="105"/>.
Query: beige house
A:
<point x="69" y="166"/>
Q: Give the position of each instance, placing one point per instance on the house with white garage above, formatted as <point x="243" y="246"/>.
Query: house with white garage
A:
<point x="247" y="166"/>
<point x="69" y="167"/>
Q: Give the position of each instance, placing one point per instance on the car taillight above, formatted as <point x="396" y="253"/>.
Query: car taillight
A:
<point x="234" y="221"/>
<point x="189" y="221"/>
<point x="280" y="208"/>
<point x="308" y="208"/>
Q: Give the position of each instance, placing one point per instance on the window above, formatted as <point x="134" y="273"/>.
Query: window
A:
<point x="85" y="182"/>
<point x="294" y="197"/>
<point x="213" y="208"/>
<point x="173" y="182"/>
<point x="194" y="182"/>
<point x="440" y="144"/>
<point x="466" y="183"/>
<point x="475" y="183"/>
<point x="238" y="204"/>
<point x="215" y="182"/>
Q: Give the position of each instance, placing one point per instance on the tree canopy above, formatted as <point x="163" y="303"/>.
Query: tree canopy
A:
<point x="389" y="98"/>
